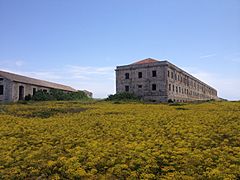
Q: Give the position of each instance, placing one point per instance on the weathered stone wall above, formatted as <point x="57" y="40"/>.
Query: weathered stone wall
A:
<point x="7" y="90"/>
<point x="184" y="87"/>
<point x="143" y="86"/>
<point x="171" y="83"/>
<point x="28" y="89"/>
<point x="11" y="90"/>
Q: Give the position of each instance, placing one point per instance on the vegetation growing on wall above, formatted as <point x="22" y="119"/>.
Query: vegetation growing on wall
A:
<point x="72" y="140"/>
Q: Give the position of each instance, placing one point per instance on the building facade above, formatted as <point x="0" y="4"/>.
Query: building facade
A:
<point x="161" y="81"/>
<point x="15" y="87"/>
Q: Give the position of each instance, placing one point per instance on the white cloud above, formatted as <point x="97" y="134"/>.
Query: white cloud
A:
<point x="227" y="87"/>
<point x="99" y="80"/>
<point x="11" y="63"/>
<point x="207" y="56"/>
<point x="19" y="63"/>
<point x="236" y="60"/>
<point x="89" y="70"/>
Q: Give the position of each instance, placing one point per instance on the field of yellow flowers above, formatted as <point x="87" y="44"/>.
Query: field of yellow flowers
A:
<point x="106" y="140"/>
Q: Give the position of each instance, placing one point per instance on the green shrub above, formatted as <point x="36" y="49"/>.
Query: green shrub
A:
<point x="59" y="95"/>
<point x="41" y="95"/>
<point x="28" y="97"/>
<point x="123" y="97"/>
<point x="170" y="101"/>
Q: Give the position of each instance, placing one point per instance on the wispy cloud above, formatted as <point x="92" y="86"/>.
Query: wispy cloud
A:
<point x="11" y="63"/>
<point x="227" y="87"/>
<point x="207" y="56"/>
<point x="236" y="60"/>
<point x="90" y="70"/>
<point x="19" y="63"/>
<point x="99" y="80"/>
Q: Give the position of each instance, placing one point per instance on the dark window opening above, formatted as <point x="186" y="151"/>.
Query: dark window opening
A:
<point x="173" y="88"/>
<point x="127" y="88"/>
<point x="168" y="73"/>
<point x="1" y="89"/>
<point x="44" y="90"/>
<point x="126" y="75"/>
<point x="139" y="86"/>
<point x="139" y="74"/>
<point x="169" y="87"/>
<point x="172" y="75"/>
<point x="176" y="89"/>
<point x="1" y="79"/>
<point x="21" y="93"/>
<point x="34" y="91"/>
<point x="154" y="87"/>
<point x="154" y="73"/>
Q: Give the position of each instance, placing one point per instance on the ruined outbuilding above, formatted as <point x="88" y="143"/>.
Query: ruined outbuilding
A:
<point x="15" y="87"/>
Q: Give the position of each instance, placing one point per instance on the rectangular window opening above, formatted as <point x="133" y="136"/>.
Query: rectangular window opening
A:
<point x="154" y="73"/>
<point x="154" y="87"/>
<point x="127" y="88"/>
<point x="139" y="74"/>
<point x="34" y="91"/>
<point x="126" y="75"/>
<point x="1" y="89"/>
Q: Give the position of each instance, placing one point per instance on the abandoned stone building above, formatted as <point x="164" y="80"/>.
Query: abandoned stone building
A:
<point x="161" y="81"/>
<point x="15" y="87"/>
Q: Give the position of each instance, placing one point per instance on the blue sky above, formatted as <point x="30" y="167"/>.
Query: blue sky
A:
<point x="80" y="42"/>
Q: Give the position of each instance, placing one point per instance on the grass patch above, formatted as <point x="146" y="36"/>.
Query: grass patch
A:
<point x="181" y="108"/>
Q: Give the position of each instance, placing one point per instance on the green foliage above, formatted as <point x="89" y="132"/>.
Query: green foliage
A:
<point x="125" y="96"/>
<point x="102" y="140"/>
<point x="28" y="97"/>
<point x="42" y="96"/>
<point x="59" y="95"/>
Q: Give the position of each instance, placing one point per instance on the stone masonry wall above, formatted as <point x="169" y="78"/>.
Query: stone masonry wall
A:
<point x="171" y="83"/>
<point x="7" y="90"/>
<point x="143" y="86"/>
<point x="28" y="89"/>
<point x="183" y="87"/>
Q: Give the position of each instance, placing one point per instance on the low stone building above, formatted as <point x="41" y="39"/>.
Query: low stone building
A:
<point x="161" y="81"/>
<point x="88" y="93"/>
<point x="15" y="87"/>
